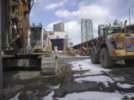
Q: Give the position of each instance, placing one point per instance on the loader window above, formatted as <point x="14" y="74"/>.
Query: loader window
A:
<point x="110" y="31"/>
<point x="114" y="30"/>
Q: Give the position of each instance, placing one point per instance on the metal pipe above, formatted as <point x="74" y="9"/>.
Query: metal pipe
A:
<point x="1" y="67"/>
<point x="130" y="14"/>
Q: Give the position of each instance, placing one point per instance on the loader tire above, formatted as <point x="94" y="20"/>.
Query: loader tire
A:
<point x="105" y="60"/>
<point x="94" y="57"/>
<point x="129" y="62"/>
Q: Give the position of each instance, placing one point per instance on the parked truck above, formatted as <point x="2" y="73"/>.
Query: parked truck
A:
<point x="115" y="43"/>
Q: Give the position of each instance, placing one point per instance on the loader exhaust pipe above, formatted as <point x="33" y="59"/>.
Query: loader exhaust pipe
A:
<point x="125" y="26"/>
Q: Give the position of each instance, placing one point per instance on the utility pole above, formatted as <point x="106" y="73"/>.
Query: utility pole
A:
<point x="1" y="67"/>
<point x="130" y="14"/>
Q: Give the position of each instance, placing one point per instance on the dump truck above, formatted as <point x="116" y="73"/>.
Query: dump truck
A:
<point x="115" y="43"/>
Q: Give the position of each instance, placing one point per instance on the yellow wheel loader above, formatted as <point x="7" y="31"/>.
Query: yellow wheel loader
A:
<point x="114" y="43"/>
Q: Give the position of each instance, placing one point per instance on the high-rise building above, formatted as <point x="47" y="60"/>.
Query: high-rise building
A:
<point x="58" y="27"/>
<point x="86" y="30"/>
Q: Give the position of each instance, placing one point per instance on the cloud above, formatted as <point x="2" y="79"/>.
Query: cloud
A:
<point x="56" y="5"/>
<point x="74" y="31"/>
<point x="64" y="13"/>
<point x="91" y="11"/>
<point x="95" y="12"/>
<point x="98" y="14"/>
<point x="38" y="1"/>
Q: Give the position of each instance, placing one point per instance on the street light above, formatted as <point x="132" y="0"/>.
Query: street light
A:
<point x="130" y="14"/>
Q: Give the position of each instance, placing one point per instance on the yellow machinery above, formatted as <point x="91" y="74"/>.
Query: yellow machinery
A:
<point x="16" y="25"/>
<point x="123" y="44"/>
<point x="71" y="51"/>
<point x="85" y="51"/>
<point x="15" y="34"/>
<point x="48" y="46"/>
<point x="114" y="43"/>
<point x="46" y="49"/>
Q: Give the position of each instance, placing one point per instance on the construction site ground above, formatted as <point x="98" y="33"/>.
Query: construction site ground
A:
<point x="77" y="79"/>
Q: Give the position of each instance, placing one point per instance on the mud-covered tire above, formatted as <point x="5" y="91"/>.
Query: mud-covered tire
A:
<point x="105" y="59"/>
<point x="94" y="57"/>
<point x="129" y="62"/>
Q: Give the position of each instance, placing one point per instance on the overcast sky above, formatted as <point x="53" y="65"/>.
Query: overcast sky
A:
<point x="70" y="12"/>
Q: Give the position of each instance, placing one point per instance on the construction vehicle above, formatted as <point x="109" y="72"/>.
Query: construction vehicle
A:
<point x="71" y="51"/>
<point x="115" y="43"/>
<point x="85" y="51"/>
<point x="15" y="33"/>
<point x="16" y="26"/>
<point x="48" y="46"/>
<point x="17" y="37"/>
<point x="39" y="41"/>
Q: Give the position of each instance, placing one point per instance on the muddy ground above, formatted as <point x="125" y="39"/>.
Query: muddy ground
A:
<point x="29" y="84"/>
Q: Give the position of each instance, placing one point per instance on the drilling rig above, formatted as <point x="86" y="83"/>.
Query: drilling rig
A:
<point x="15" y="26"/>
<point x="14" y="35"/>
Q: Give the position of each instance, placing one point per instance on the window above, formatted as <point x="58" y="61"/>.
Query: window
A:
<point x="114" y="30"/>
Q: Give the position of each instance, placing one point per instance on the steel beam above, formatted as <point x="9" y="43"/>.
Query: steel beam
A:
<point x="1" y="67"/>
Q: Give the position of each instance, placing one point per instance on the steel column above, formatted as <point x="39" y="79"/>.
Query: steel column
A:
<point x="1" y="67"/>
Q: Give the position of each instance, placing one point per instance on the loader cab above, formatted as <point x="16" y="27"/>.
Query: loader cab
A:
<point x="106" y="30"/>
<point x="113" y="30"/>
